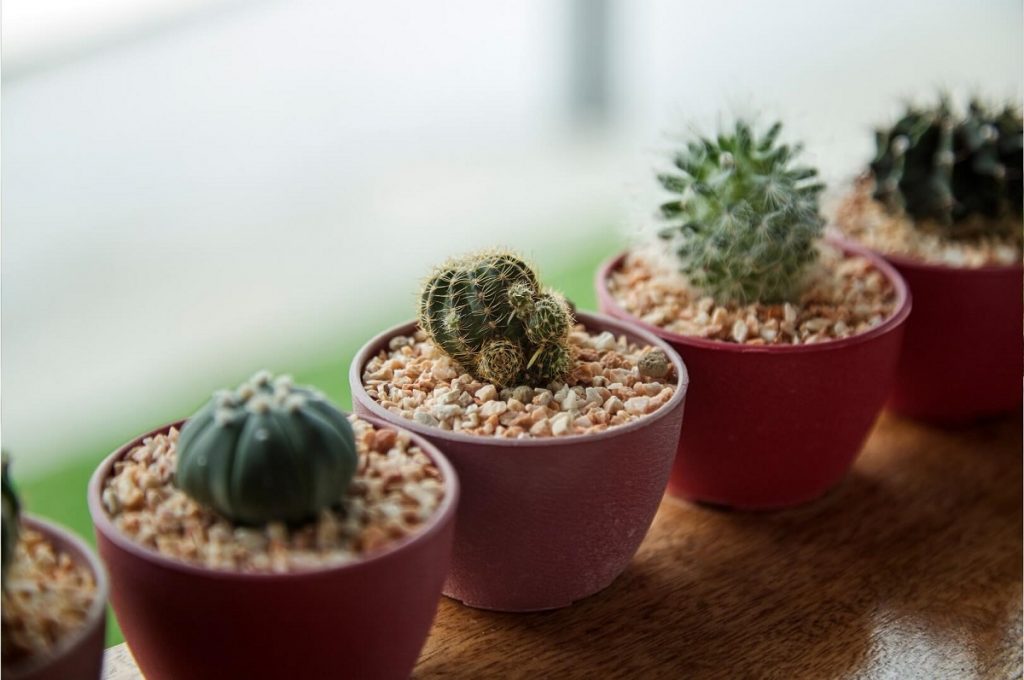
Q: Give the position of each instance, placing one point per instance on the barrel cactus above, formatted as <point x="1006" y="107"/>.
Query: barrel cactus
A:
<point x="746" y="220"/>
<point x="11" y="519"/>
<point x="267" y="451"/>
<point x="946" y="168"/>
<point x="490" y="314"/>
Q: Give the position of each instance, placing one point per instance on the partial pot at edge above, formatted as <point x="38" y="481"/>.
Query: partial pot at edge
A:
<point x="78" y="656"/>
<point x="774" y="426"/>
<point x="544" y="522"/>
<point x="364" y="619"/>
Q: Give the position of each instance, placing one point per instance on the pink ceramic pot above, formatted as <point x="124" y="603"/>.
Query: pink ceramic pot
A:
<point x="544" y="522"/>
<point x="366" y="619"/>
<point x="963" y="353"/>
<point x="775" y="426"/>
<point x="79" y="656"/>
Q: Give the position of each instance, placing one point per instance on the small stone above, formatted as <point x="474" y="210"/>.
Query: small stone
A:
<point x="654" y="364"/>
<point x="523" y="393"/>
<point x="493" y="408"/>
<point x="613" y="405"/>
<point x="425" y="419"/>
<point x="739" y="331"/>
<point x="637" y="405"/>
<point x="543" y="397"/>
<point x="604" y="342"/>
<point x="487" y="393"/>
<point x="560" y="424"/>
<point x="570" y="402"/>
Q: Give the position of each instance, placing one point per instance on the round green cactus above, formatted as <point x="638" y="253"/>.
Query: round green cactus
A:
<point x="746" y="221"/>
<point x="938" y="166"/>
<point x="11" y="519"/>
<point x="489" y="313"/>
<point x="267" y="451"/>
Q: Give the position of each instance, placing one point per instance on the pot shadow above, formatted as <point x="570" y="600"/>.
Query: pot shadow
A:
<point x="912" y="566"/>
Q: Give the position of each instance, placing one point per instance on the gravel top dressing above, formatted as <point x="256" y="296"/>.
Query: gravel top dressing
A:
<point x="396" y="489"/>
<point x="613" y="382"/>
<point x="47" y="595"/>
<point x="867" y="221"/>
<point x="844" y="296"/>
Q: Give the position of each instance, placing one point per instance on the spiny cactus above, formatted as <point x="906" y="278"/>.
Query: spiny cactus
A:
<point x="489" y="313"/>
<point x="745" y="224"/>
<point x="267" y="451"/>
<point x="11" y="519"/>
<point x="939" y="166"/>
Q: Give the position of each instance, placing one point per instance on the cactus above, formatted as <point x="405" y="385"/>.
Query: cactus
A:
<point x="267" y="451"/>
<point x="746" y="221"/>
<point x="11" y="520"/>
<point x="489" y="313"/>
<point x="938" y="166"/>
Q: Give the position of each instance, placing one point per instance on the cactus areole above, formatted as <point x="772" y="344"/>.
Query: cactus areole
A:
<point x="11" y="520"/>
<point x="944" y="168"/>
<point x="489" y="313"/>
<point x="746" y="221"/>
<point x="267" y="451"/>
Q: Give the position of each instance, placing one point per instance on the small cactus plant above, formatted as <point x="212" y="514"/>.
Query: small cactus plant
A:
<point x="267" y="451"/>
<point x="938" y="166"/>
<point x="746" y="221"/>
<point x="11" y="519"/>
<point x="489" y="313"/>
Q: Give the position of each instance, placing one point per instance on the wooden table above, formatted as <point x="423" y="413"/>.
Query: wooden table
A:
<point x="912" y="568"/>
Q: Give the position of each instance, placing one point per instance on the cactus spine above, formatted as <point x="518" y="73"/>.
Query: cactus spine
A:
<point x="267" y="451"/>
<point x="746" y="220"/>
<point x="489" y="313"/>
<point x="11" y="519"/>
<point x="941" y="167"/>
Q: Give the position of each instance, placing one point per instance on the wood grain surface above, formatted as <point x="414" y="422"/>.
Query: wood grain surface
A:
<point x="912" y="568"/>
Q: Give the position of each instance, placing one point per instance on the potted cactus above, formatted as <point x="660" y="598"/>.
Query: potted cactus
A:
<point x="791" y="340"/>
<point x="941" y="201"/>
<point x="270" y="505"/>
<point x="562" y="428"/>
<point x="54" y="598"/>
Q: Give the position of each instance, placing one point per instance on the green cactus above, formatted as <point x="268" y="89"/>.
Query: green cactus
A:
<point x="11" y="519"/>
<point x="489" y="313"/>
<point x="267" y="451"/>
<point x="938" y="166"/>
<point x="746" y="222"/>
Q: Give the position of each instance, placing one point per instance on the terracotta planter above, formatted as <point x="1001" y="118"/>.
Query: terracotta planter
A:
<point x="366" y="619"/>
<point x="963" y="353"/>
<point x="544" y="522"/>
<point x="774" y="426"/>
<point x="79" y="656"/>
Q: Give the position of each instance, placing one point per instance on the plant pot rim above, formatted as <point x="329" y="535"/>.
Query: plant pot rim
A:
<point x="588" y="319"/>
<point x="97" y="609"/>
<point x="898" y="316"/>
<point x="435" y="524"/>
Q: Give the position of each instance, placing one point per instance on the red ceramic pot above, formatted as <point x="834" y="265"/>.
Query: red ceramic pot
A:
<point x="79" y="656"/>
<point x="365" y="619"/>
<point x="544" y="522"/>
<point x="963" y="353"/>
<point x="776" y="425"/>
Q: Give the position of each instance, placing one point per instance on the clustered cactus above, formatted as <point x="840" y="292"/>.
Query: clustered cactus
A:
<point x="11" y="519"/>
<point x="490" y="314"/>
<point x="746" y="221"/>
<point x="939" y="166"/>
<point x="267" y="451"/>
